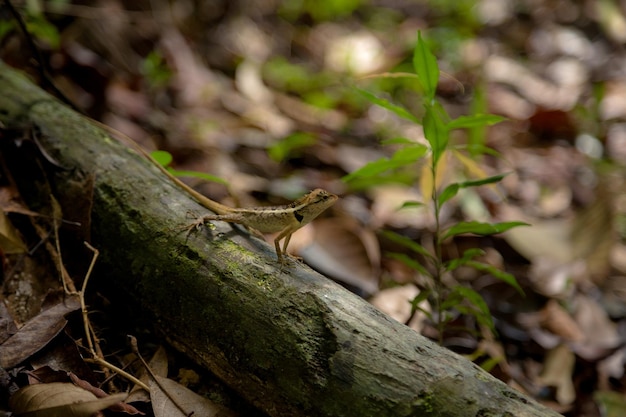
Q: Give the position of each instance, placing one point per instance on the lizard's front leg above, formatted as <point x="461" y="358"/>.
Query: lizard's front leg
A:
<point x="286" y="234"/>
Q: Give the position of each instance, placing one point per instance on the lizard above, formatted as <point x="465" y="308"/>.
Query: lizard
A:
<point x="285" y="219"/>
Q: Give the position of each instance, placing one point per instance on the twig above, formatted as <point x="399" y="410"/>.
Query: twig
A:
<point x="133" y="344"/>
<point x="99" y="361"/>
<point x="92" y="340"/>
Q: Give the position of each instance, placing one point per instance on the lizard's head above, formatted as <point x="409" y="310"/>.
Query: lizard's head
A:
<point x="313" y="204"/>
<point x="321" y="198"/>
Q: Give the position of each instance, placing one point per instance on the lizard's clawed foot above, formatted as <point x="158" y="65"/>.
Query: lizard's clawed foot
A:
<point x="296" y="258"/>
<point x="284" y="258"/>
<point x="195" y="226"/>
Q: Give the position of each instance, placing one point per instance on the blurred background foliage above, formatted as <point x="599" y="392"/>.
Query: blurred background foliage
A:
<point x="266" y="95"/>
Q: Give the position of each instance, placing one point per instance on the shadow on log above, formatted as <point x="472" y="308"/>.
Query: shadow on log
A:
<point x="288" y="340"/>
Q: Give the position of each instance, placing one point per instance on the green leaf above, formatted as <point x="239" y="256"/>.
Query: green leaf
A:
<point x="371" y="169"/>
<point x="386" y="104"/>
<point x="452" y="189"/>
<point x="481" y="313"/>
<point x="449" y="192"/>
<point x="426" y="68"/>
<point x="163" y="158"/>
<point x="483" y="181"/>
<point x="477" y="149"/>
<point x="401" y="158"/>
<point x="410" y="262"/>
<point x="44" y="30"/>
<point x="415" y="302"/>
<point x="406" y="242"/>
<point x="280" y="150"/>
<point x="155" y="68"/>
<point x="481" y="229"/>
<point x="398" y="141"/>
<point x="451" y="300"/>
<point x="488" y="364"/>
<point x="6" y="26"/>
<point x="496" y="273"/>
<point x="411" y="204"/>
<point x="435" y="132"/>
<point x="201" y="175"/>
<point x="468" y="255"/>
<point x="404" y="177"/>
<point x="409" y="154"/>
<point x="476" y="120"/>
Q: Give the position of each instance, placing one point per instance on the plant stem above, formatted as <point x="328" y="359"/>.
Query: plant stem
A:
<point x="438" y="264"/>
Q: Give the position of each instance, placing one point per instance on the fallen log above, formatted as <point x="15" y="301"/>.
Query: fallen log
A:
<point x="285" y="338"/>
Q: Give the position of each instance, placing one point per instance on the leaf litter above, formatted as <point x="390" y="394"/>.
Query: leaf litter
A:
<point x="567" y="88"/>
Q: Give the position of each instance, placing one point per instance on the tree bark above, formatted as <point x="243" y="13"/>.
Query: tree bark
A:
<point x="287" y="339"/>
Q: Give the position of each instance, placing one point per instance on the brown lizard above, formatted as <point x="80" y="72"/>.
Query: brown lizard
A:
<point x="284" y="219"/>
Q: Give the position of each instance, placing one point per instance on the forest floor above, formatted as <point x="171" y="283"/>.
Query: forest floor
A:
<point x="266" y="97"/>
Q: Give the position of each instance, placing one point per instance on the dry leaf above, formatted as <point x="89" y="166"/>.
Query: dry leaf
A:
<point x="194" y="83"/>
<point x="342" y="250"/>
<point x="592" y="234"/>
<point x="159" y="366"/>
<point x="10" y="239"/>
<point x="548" y="239"/>
<point x="163" y="406"/>
<point x="396" y="302"/>
<point x="58" y="399"/>
<point x="557" y="372"/>
<point x="118" y="407"/>
<point x="614" y="296"/>
<point x="537" y="90"/>
<point x="556" y="279"/>
<point x="550" y="326"/>
<point x="611" y="367"/>
<point x="555" y="201"/>
<point x="599" y="330"/>
<point x="617" y="257"/>
<point x="358" y="53"/>
<point x="309" y="114"/>
<point x="7" y="324"/>
<point x="36" y="333"/>
<point x="386" y="203"/>
<point x="557" y="320"/>
<point x="613" y="105"/>
<point x="426" y="176"/>
<point x="547" y="245"/>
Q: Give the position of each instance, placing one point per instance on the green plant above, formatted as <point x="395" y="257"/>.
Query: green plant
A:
<point x="35" y="23"/>
<point x="319" y="10"/>
<point x="156" y="70"/>
<point x="429" y="262"/>
<point x="165" y="158"/>
<point x="290" y="145"/>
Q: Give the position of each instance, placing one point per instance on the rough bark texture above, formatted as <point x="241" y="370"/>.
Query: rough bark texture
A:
<point x="290" y="341"/>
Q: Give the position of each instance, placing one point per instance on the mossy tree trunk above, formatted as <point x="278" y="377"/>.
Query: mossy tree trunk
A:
<point x="287" y="339"/>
